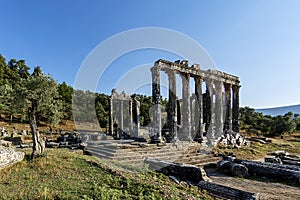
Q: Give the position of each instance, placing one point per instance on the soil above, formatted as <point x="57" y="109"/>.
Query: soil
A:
<point x="267" y="190"/>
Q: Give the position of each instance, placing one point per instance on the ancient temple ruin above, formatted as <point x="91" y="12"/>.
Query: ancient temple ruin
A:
<point x="203" y="115"/>
<point x="208" y="114"/>
<point x="123" y="115"/>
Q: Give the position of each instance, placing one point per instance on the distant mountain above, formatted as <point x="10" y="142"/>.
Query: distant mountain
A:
<point x="280" y="110"/>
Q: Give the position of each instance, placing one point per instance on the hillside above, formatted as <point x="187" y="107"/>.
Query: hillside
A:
<point x="280" y="110"/>
<point x="67" y="175"/>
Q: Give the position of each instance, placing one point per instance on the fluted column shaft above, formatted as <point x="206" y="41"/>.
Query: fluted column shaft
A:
<point x="211" y="130"/>
<point x="186" y="112"/>
<point x="199" y="108"/>
<point x="219" y="109"/>
<point x="172" y="112"/>
<point x="228" y="113"/>
<point x="130" y="116"/>
<point x="111" y="121"/>
<point x="235" y="109"/>
<point x="136" y="116"/>
<point x="156" y="101"/>
<point x="121" y="115"/>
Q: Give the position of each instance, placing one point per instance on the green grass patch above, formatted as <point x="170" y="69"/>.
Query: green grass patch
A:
<point x="66" y="175"/>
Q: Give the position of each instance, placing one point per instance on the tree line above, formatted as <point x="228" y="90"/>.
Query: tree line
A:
<point x="267" y="125"/>
<point x="23" y="93"/>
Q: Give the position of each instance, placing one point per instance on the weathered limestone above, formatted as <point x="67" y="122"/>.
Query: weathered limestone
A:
<point x="123" y="115"/>
<point x="272" y="170"/>
<point x="156" y="104"/>
<point x="235" y="109"/>
<point x="199" y="108"/>
<point x="136" y="117"/>
<point x="9" y="156"/>
<point x="172" y="109"/>
<point x="225" y="192"/>
<point x="182" y="171"/>
<point x="217" y="110"/>
<point x="185" y="135"/>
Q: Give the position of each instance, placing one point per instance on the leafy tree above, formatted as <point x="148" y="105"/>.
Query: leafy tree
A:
<point x="38" y="95"/>
<point x="66" y="92"/>
<point x="102" y="109"/>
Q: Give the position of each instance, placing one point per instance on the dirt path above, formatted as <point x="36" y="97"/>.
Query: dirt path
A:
<point x="267" y="190"/>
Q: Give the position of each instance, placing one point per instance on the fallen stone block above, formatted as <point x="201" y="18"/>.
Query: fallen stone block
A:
<point x="9" y="156"/>
<point x="272" y="170"/>
<point x="225" y="192"/>
<point x="273" y="159"/>
<point x="182" y="171"/>
<point x="232" y="168"/>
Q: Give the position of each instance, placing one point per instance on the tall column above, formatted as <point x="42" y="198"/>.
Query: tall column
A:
<point x="235" y="108"/>
<point x="156" y="103"/>
<point x="211" y="129"/>
<point x="186" y="112"/>
<point x="219" y="109"/>
<point x="172" y="111"/>
<point x="136" y="116"/>
<point x="121" y="114"/>
<point x="193" y="116"/>
<point x="111" y="121"/>
<point x="130" y="116"/>
<point x="228" y="109"/>
<point x="199" y="108"/>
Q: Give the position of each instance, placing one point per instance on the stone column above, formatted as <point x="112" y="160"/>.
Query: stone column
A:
<point x="199" y="108"/>
<point x="228" y="109"/>
<point x="136" y="116"/>
<point x="186" y="112"/>
<point x="235" y="108"/>
<point x="178" y="104"/>
<point x="172" y="111"/>
<point x="156" y="103"/>
<point x="219" y="109"/>
<point x="193" y="116"/>
<point x="130" y="116"/>
<point x="121" y="114"/>
<point x="211" y="129"/>
<point x="111" y="121"/>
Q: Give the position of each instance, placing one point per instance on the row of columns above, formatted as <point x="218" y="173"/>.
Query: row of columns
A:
<point x="224" y="109"/>
<point x="117" y="115"/>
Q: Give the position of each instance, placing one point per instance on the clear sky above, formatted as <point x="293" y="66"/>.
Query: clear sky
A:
<point x="259" y="41"/>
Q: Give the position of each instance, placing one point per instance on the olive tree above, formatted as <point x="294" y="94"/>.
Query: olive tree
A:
<point x="38" y="96"/>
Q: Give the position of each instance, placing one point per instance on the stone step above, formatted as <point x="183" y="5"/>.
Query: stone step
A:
<point x="201" y="161"/>
<point x="194" y="157"/>
<point x="130" y="155"/>
<point x="97" y="154"/>
<point x="140" y="151"/>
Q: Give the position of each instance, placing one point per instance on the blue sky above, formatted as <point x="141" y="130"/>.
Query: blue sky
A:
<point x="257" y="40"/>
